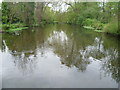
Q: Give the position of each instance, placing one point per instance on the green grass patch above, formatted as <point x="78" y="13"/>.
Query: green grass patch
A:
<point x="16" y="29"/>
<point x="99" y="31"/>
<point x="91" y="28"/>
<point x="9" y="26"/>
<point x="93" y="24"/>
<point x="13" y="27"/>
<point x="88" y="27"/>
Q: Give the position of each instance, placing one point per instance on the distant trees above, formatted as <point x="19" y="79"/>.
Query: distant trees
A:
<point x="93" y="10"/>
<point x="34" y="12"/>
<point x="37" y="13"/>
<point x="97" y="15"/>
<point x="17" y="12"/>
<point x="28" y="13"/>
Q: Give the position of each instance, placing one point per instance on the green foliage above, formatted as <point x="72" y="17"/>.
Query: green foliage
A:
<point x="49" y="15"/>
<point x="13" y="27"/>
<point x="15" y="16"/>
<point x="91" y="15"/>
<point x="88" y="27"/>
<point x="8" y="26"/>
<point x="99" y="31"/>
<point x="93" y="23"/>
<point x="111" y="10"/>
<point x="17" y="12"/>
<point x="112" y="27"/>
<point x="16" y="29"/>
<point x="78" y="12"/>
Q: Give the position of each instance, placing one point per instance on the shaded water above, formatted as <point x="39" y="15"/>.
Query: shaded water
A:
<point x="60" y="56"/>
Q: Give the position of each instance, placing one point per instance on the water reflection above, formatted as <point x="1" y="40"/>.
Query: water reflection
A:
<point x="72" y="45"/>
<point x="0" y="62"/>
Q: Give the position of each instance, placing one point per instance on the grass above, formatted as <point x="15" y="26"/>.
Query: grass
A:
<point x="93" y="23"/>
<point x="91" y="28"/>
<point x="101" y="31"/>
<point x="110" y="28"/>
<point x="16" y="29"/>
<point x="88" y="27"/>
<point x="13" y="27"/>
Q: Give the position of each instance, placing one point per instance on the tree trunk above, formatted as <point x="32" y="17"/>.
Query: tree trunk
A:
<point x="38" y="12"/>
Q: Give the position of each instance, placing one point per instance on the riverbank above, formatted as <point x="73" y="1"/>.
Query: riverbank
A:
<point x="10" y="28"/>
<point x="110" y="28"/>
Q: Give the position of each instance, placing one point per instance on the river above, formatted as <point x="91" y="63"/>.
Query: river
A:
<point x="59" y="56"/>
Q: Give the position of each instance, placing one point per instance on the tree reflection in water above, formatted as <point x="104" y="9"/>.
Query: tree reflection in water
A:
<point x="73" y="46"/>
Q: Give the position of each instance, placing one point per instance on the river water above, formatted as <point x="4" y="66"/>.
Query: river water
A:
<point x="60" y="56"/>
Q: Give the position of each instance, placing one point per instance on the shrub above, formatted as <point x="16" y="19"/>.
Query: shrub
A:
<point x="93" y="23"/>
<point x="112" y="27"/>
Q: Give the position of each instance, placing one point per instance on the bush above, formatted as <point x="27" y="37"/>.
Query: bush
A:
<point x="79" y="20"/>
<point x="93" y="23"/>
<point x="112" y="28"/>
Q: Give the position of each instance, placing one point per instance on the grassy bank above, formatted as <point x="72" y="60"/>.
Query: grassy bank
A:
<point x="12" y="27"/>
<point x="109" y="28"/>
<point x="112" y="28"/>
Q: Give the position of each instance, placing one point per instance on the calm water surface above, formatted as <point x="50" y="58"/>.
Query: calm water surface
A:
<point x="59" y="56"/>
